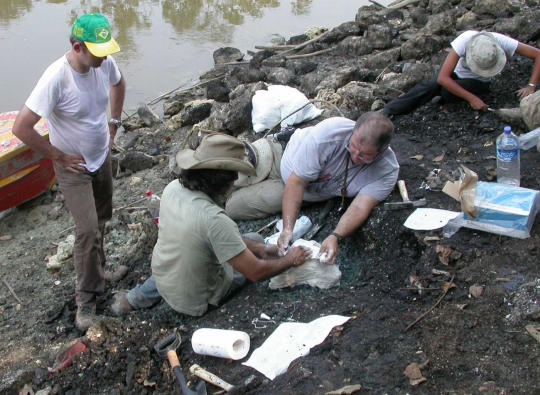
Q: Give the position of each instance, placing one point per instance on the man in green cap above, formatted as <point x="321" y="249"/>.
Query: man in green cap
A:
<point x="73" y="95"/>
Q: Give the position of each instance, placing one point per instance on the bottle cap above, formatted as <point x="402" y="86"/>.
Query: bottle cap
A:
<point x="507" y="129"/>
<point x="149" y="192"/>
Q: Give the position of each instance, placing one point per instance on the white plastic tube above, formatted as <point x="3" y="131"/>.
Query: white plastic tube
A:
<point x="220" y="343"/>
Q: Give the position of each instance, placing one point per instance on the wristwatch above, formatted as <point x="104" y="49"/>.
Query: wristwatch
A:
<point x="115" y="122"/>
<point x="337" y="236"/>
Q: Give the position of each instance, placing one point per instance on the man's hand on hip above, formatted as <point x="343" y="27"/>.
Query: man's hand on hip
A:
<point x="71" y="163"/>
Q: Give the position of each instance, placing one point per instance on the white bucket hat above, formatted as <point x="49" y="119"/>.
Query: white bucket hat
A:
<point x="263" y="154"/>
<point x="485" y="56"/>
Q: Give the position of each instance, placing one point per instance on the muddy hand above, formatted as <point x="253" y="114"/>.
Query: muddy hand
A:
<point x="298" y="255"/>
<point x="329" y="250"/>
<point x="478" y="104"/>
<point x="284" y="241"/>
<point x="524" y="92"/>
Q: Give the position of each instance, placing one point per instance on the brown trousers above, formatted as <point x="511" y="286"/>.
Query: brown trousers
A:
<point x="88" y="197"/>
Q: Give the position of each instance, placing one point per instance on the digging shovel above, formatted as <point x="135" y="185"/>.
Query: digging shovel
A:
<point x="167" y="349"/>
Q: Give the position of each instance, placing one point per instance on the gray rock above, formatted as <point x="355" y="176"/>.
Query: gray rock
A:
<point x="218" y="91"/>
<point x="442" y="24"/>
<point x="128" y="140"/>
<point x="466" y="21"/>
<point x="280" y="76"/>
<point x="423" y="45"/>
<point x="338" y="79"/>
<point x="339" y="33"/>
<point x="257" y="59"/>
<point x="524" y="27"/>
<point x="303" y="66"/>
<point x="437" y="6"/>
<point x="382" y="59"/>
<point x="495" y="7"/>
<point x="419" y="17"/>
<point x="526" y="303"/>
<point x="357" y="95"/>
<point x="357" y="46"/>
<point x="233" y="117"/>
<point x="248" y="75"/>
<point x="274" y="61"/>
<point x="196" y="111"/>
<point x="227" y="55"/>
<point x="132" y="123"/>
<point x="310" y="82"/>
<point x="415" y="73"/>
<point x="380" y="36"/>
<point x="148" y="115"/>
<point x="297" y="40"/>
<point x="135" y="161"/>
<point x="366" y="17"/>
<point x="175" y="103"/>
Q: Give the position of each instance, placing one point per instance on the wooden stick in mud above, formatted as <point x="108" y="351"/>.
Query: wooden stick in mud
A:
<point x="12" y="291"/>
<point x="274" y="47"/>
<point x="433" y="307"/>
<point x="307" y="55"/>
<point x="303" y="45"/>
<point x="267" y="226"/>
<point x="377" y="4"/>
<point x="398" y="6"/>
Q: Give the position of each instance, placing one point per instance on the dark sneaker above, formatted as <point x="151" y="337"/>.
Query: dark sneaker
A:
<point x="120" y="305"/>
<point x="118" y="274"/>
<point x="86" y="316"/>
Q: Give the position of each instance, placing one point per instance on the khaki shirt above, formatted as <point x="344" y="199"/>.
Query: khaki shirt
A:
<point x="196" y="239"/>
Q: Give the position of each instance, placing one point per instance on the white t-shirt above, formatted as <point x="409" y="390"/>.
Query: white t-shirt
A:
<point x="75" y="106"/>
<point x="508" y="44"/>
<point x="318" y="154"/>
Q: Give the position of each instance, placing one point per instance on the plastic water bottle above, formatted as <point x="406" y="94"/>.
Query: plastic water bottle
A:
<point x="152" y="203"/>
<point x="508" y="158"/>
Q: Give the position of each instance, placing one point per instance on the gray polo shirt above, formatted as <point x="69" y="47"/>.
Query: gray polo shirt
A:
<point x="196" y="239"/>
<point x="317" y="154"/>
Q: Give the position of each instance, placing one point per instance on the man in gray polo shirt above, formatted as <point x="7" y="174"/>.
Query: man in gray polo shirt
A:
<point x="337" y="157"/>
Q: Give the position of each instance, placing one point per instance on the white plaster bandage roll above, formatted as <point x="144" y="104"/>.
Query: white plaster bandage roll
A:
<point x="220" y="343"/>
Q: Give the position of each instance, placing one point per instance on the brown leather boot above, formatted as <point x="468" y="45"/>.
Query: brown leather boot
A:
<point x="86" y="316"/>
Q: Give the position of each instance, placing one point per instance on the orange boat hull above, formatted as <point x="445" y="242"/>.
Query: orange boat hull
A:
<point x="24" y="174"/>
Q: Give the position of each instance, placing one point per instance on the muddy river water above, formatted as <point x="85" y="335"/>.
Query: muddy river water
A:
<point x="165" y="43"/>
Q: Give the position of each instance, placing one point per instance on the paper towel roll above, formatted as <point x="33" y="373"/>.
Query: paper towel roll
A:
<point x="220" y="343"/>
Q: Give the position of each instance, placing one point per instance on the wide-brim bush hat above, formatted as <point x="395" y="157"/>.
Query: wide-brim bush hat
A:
<point x="485" y="56"/>
<point x="216" y="151"/>
<point x="261" y="151"/>
<point x="94" y="30"/>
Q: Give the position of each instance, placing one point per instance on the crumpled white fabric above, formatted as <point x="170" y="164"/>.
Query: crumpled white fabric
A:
<point x="272" y="105"/>
<point x="289" y="341"/>
<point x="313" y="272"/>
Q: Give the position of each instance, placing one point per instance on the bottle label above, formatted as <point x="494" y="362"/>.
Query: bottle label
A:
<point x="507" y="155"/>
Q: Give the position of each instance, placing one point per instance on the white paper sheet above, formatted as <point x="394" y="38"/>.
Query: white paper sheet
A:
<point x="429" y="218"/>
<point x="289" y="341"/>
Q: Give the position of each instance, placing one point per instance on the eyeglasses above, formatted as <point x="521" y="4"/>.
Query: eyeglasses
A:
<point x="367" y="162"/>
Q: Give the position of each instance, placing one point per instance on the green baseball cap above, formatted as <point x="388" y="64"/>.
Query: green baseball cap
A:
<point x="95" y="31"/>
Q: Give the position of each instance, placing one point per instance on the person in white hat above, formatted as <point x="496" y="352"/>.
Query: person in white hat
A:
<point x="466" y="73"/>
<point x="200" y="256"/>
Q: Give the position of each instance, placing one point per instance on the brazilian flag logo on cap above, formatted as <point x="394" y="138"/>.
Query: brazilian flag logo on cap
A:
<point x="95" y="31"/>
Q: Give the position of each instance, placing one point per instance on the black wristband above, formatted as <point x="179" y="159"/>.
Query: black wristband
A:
<point x="338" y="237"/>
